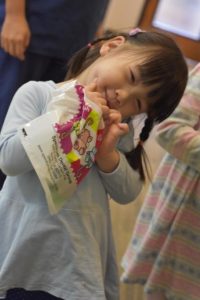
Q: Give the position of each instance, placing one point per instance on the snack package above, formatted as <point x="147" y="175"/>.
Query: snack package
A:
<point x="61" y="144"/>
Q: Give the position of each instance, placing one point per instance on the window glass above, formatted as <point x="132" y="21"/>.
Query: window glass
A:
<point x="181" y="17"/>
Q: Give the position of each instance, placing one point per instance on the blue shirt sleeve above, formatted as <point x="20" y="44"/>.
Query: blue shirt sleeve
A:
<point x="28" y="103"/>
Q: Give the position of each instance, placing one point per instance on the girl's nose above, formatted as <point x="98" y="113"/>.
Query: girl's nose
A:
<point x="117" y="96"/>
<point x="122" y="94"/>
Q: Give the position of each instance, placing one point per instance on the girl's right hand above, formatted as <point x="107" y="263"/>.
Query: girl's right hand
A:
<point x="96" y="97"/>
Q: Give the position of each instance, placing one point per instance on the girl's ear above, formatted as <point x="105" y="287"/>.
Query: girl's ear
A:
<point x="112" y="44"/>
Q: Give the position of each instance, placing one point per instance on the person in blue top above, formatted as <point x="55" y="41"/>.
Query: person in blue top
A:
<point x="38" y="38"/>
<point x="70" y="255"/>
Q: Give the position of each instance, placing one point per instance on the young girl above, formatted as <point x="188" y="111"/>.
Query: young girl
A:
<point x="70" y="255"/>
<point x="165" y="248"/>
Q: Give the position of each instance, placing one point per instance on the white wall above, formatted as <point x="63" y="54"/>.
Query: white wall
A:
<point x="123" y="14"/>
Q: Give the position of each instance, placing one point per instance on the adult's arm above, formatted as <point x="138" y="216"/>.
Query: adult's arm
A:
<point x="179" y="134"/>
<point x="15" y="33"/>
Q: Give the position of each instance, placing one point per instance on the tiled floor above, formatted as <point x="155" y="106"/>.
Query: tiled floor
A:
<point x="123" y="217"/>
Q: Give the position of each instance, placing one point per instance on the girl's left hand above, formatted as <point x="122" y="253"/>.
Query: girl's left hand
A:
<point x="107" y="157"/>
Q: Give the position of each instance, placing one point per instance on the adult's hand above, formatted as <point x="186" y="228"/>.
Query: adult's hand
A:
<point x="15" y="36"/>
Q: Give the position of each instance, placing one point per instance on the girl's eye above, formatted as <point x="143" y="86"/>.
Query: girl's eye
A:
<point x="132" y="76"/>
<point x="139" y="106"/>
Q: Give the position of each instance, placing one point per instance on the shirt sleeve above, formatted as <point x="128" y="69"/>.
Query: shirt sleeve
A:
<point x="27" y="104"/>
<point x="123" y="184"/>
<point x="179" y="134"/>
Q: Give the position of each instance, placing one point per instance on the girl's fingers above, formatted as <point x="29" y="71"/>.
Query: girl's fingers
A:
<point x="111" y="137"/>
<point x="115" y="116"/>
<point x="105" y="112"/>
<point x="96" y="97"/>
<point x="92" y="87"/>
<point x="117" y="130"/>
<point x="101" y="102"/>
<point x="123" y="128"/>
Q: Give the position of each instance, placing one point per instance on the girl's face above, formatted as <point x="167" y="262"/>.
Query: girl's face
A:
<point x="118" y="79"/>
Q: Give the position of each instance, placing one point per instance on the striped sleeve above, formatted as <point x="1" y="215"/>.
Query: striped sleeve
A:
<point x="179" y="134"/>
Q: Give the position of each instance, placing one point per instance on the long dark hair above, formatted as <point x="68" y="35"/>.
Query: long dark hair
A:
<point x="163" y="68"/>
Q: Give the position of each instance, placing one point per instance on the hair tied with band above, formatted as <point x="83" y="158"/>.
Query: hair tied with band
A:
<point x="135" y="31"/>
<point x="89" y="45"/>
<point x="141" y="143"/>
